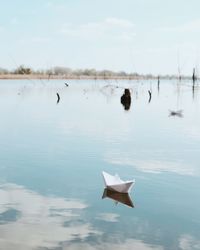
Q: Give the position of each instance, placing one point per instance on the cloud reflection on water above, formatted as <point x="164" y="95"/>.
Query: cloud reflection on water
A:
<point x="108" y="217"/>
<point x="187" y="242"/>
<point x="41" y="220"/>
<point x="154" y="166"/>
<point x="54" y="223"/>
<point x="117" y="245"/>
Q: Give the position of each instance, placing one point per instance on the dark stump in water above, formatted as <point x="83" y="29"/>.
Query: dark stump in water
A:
<point x="126" y="99"/>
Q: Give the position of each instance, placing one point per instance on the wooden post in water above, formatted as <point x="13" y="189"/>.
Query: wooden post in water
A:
<point x="149" y="95"/>
<point x="58" y="97"/>
<point x="193" y="76"/>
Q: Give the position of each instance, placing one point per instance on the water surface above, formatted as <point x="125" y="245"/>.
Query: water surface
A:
<point x="52" y="155"/>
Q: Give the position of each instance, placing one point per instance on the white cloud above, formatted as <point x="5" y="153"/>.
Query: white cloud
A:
<point x="187" y="242"/>
<point x="108" y="217"/>
<point x="154" y="166"/>
<point x="40" y="224"/>
<point x="119" y="22"/>
<point x="126" y="245"/>
<point x="40" y="220"/>
<point x="110" y="28"/>
<point x="191" y="26"/>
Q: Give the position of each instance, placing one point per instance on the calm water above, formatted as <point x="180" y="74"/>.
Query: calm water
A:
<point x="52" y="156"/>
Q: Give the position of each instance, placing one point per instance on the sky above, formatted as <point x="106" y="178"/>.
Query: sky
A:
<point x="144" y="36"/>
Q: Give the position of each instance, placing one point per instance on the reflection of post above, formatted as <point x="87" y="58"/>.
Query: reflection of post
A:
<point x="194" y="78"/>
<point x="193" y="91"/>
<point x="158" y="83"/>
<point x="126" y="99"/>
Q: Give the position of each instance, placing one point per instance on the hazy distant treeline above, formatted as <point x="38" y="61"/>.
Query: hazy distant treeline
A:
<point x="65" y="71"/>
<point x="68" y="72"/>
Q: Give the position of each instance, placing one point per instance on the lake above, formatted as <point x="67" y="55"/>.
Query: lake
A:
<point x="52" y="156"/>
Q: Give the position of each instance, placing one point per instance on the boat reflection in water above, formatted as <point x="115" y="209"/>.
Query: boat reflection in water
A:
<point x="123" y="198"/>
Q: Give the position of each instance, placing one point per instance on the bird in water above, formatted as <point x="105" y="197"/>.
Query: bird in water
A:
<point x="178" y="113"/>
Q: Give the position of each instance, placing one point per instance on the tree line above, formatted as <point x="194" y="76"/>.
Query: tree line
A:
<point x="23" y="70"/>
<point x="68" y="72"/>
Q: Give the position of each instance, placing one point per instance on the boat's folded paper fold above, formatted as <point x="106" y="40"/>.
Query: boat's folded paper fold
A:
<point x="113" y="182"/>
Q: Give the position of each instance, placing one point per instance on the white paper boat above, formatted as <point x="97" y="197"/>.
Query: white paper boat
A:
<point x="113" y="182"/>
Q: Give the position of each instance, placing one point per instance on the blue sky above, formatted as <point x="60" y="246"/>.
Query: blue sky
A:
<point x="145" y="36"/>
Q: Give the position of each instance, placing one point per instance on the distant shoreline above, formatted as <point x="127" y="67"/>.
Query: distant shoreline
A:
<point x="64" y="77"/>
<point x="82" y="77"/>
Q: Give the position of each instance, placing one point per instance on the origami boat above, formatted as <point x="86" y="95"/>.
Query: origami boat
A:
<point x="113" y="182"/>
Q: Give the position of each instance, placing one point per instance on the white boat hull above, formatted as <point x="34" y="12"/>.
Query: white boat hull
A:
<point x="114" y="183"/>
<point x="122" y="188"/>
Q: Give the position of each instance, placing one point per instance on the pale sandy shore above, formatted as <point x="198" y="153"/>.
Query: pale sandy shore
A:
<point x="51" y="77"/>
